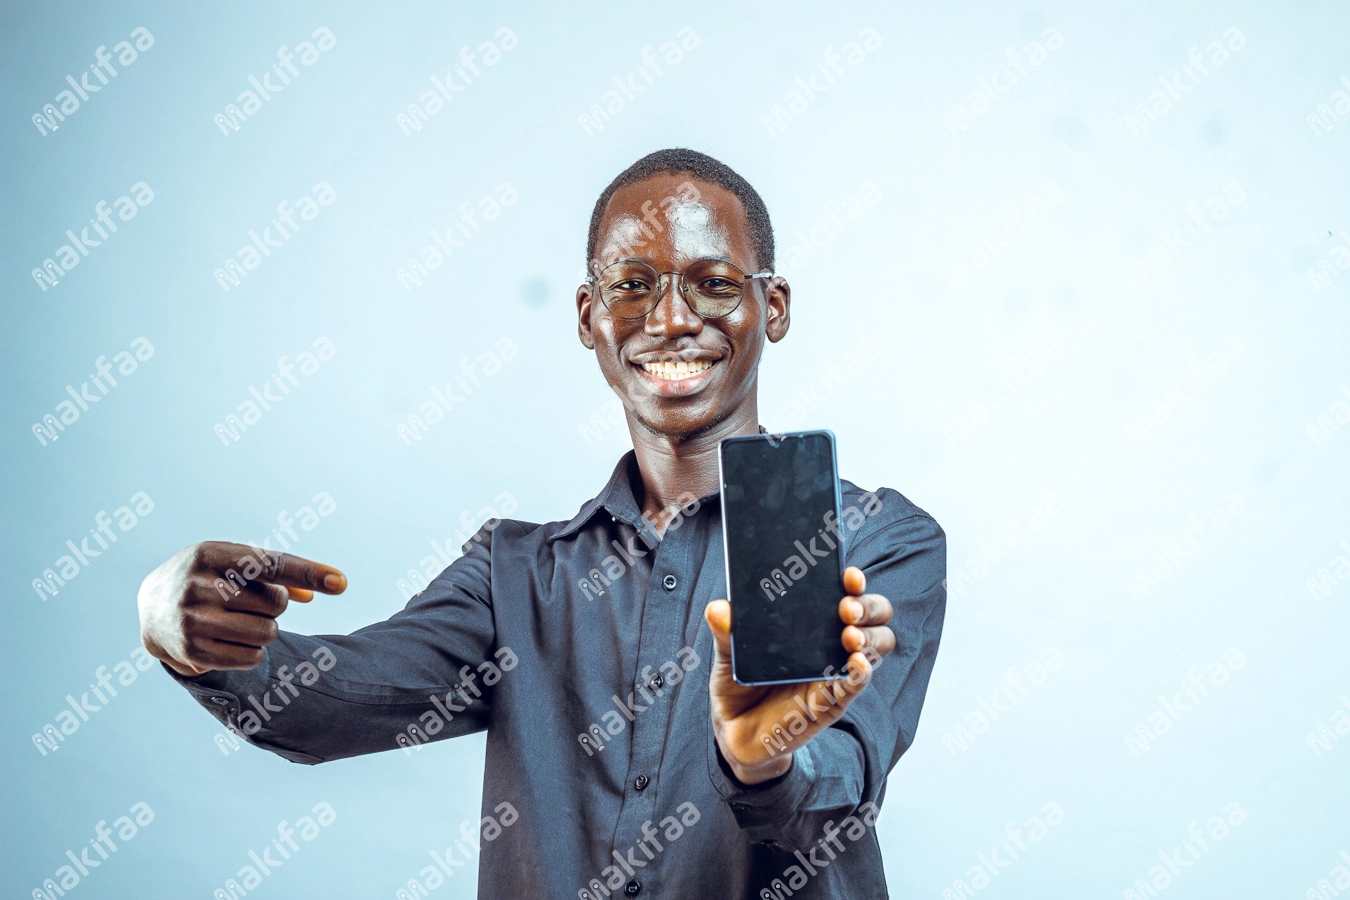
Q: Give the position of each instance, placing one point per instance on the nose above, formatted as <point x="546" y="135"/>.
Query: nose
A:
<point x="672" y="316"/>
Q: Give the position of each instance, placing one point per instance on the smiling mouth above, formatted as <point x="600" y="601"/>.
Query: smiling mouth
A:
<point x="668" y="370"/>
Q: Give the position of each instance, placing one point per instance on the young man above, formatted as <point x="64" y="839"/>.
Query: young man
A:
<point x="626" y="775"/>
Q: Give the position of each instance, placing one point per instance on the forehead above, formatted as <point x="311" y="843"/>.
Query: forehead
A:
<point x="666" y="217"/>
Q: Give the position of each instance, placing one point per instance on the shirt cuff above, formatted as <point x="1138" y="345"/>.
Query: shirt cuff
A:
<point x="769" y="803"/>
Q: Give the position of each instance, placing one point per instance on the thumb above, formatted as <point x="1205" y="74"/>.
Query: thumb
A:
<point x="718" y="616"/>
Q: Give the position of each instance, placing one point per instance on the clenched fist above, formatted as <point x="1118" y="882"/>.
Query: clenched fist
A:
<point x="214" y="605"/>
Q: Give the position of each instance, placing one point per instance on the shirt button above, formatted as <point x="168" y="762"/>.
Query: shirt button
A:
<point x="669" y="582"/>
<point x="632" y="888"/>
<point x="221" y="701"/>
<point x="656" y="683"/>
<point x="641" y="782"/>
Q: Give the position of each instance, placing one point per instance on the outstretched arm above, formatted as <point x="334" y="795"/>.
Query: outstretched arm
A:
<point x="209" y="614"/>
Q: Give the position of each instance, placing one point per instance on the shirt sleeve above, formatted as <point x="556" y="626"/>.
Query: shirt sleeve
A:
<point x="847" y="764"/>
<point x="423" y="674"/>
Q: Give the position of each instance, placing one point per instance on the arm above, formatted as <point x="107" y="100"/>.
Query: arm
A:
<point x="420" y="675"/>
<point x="840" y="761"/>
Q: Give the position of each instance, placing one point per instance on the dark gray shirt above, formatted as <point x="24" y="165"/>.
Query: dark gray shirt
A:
<point x="581" y="648"/>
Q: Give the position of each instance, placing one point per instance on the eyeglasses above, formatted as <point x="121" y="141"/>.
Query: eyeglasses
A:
<point x="713" y="288"/>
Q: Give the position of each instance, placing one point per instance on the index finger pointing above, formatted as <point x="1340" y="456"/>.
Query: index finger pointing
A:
<point x="298" y="572"/>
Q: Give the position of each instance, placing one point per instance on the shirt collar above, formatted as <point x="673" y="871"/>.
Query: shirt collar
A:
<point x="616" y="499"/>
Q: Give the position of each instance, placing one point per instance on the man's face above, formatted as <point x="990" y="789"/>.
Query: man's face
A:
<point x="668" y="222"/>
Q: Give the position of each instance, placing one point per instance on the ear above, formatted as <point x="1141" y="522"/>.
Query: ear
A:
<point x="584" y="298"/>
<point x="778" y="304"/>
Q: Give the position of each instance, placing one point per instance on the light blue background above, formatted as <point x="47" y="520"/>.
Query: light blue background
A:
<point x="1064" y="431"/>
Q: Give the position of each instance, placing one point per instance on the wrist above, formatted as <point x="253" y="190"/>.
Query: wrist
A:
<point x="759" y="773"/>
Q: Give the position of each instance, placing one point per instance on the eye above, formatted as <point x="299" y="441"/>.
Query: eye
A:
<point x="631" y="285"/>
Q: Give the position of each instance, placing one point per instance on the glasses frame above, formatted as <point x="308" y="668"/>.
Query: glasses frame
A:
<point x="684" y="286"/>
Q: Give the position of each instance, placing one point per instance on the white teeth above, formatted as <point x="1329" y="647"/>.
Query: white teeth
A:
<point x="672" y="371"/>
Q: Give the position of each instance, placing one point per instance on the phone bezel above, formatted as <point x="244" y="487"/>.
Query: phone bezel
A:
<point x="726" y="557"/>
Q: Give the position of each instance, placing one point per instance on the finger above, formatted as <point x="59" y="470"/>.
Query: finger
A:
<point x="212" y="654"/>
<point x="296" y="571"/>
<point x="880" y="639"/>
<point x="255" y="597"/>
<point x="246" y="629"/>
<point x="277" y="568"/>
<point x="300" y="595"/>
<point x="855" y="582"/>
<point x="869" y="609"/>
<point x="718" y="616"/>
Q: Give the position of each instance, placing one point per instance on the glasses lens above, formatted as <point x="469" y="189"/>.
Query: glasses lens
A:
<point x="629" y="289"/>
<point x="714" y="287"/>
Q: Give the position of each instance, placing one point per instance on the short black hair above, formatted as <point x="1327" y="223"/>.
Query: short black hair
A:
<point x="677" y="161"/>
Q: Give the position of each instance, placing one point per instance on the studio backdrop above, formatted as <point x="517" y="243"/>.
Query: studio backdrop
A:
<point x="1076" y="280"/>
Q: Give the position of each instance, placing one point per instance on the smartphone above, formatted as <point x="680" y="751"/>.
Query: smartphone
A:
<point x="784" y="557"/>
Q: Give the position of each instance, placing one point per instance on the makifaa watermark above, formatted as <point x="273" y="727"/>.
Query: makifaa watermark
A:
<point x="806" y="399"/>
<point x="796" y="876"/>
<point x="628" y="233"/>
<point x="1158" y="878"/>
<point x="1335" y="573"/>
<point x="1328" y="423"/>
<point x="305" y="516"/>
<point x="991" y="865"/>
<point x="796" y="102"/>
<point x="1019" y="372"/>
<point x="50" y="737"/>
<point x="233" y="117"/>
<point x="1158" y="413"/>
<point x="611" y="104"/>
<point x="487" y="829"/>
<point x="1036" y="672"/>
<point x="251" y="720"/>
<point x="1156" y="258"/>
<point x="1324" y="889"/>
<point x="475" y="528"/>
<point x="612" y="876"/>
<point x="443" y="246"/>
<point x="1328" y="270"/>
<point x="776" y="583"/>
<point x="50" y="272"/>
<point x="1160" y="720"/>
<point x="1177" y="550"/>
<point x="796" y="256"/>
<point x="1326" y="735"/>
<point x="65" y="568"/>
<point x="442" y="402"/>
<point x="431" y="722"/>
<point x="794" y="722"/>
<point x="615" y="567"/>
<point x="126" y="55"/>
<point x="1000" y="547"/>
<point x="991" y="90"/>
<point x="987" y="248"/>
<point x="234" y="427"/>
<point x="68" y="876"/>
<point x="1159" y="103"/>
<point x="252" y="875"/>
<point x="1337" y="105"/>
<point x="50" y="428"/>
<point x="431" y="101"/>
<point x="616" y="720"/>
<point x="230" y="273"/>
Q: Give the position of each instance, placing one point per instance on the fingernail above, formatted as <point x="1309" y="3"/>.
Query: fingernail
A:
<point x="335" y="583"/>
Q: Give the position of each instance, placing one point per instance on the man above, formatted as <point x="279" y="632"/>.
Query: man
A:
<point x="627" y="777"/>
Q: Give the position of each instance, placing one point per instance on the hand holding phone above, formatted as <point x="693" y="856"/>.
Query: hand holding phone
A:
<point x="759" y="727"/>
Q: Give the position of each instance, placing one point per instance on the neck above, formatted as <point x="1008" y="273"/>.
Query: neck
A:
<point x="673" y="466"/>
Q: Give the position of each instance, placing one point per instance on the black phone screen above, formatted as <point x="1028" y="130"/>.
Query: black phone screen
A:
<point x="780" y="527"/>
